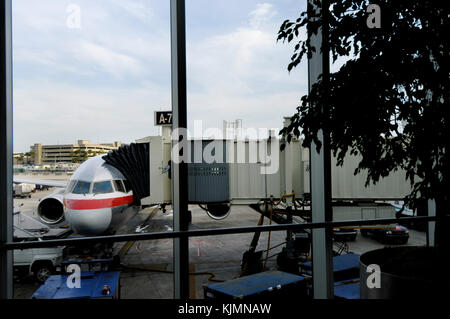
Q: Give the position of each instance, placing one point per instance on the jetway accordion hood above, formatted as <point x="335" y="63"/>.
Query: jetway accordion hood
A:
<point x="133" y="162"/>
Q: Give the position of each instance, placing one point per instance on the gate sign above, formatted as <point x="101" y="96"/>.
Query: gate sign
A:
<point x="163" y="118"/>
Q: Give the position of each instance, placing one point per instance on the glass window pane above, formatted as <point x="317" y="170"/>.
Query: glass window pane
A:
<point x="119" y="186"/>
<point x="82" y="188"/>
<point x="103" y="188"/>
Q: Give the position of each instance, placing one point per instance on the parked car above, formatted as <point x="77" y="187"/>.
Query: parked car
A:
<point x="39" y="262"/>
<point x="391" y="235"/>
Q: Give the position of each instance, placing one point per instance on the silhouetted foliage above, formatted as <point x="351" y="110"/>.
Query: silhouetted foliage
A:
<point x="389" y="102"/>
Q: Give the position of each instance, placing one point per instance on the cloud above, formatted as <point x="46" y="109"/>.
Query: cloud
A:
<point x="263" y="13"/>
<point x="241" y="74"/>
<point x="253" y="110"/>
<point x="56" y="112"/>
<point x="138" y="9"/>
<point x="45" y="57"/>
<point x="103" y="81"/>
<point x="112" y="62"/>
<point x="241" y="58"/>
<point x="38" y="16"/>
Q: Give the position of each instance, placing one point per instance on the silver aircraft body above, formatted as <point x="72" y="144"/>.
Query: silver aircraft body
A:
<point x="96" y="200"/>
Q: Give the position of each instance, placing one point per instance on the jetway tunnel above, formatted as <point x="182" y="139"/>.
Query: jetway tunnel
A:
<point x="234" y="172"/>
<point x="132" y="161"/>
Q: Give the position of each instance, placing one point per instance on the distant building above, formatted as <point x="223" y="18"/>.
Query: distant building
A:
<point x="71" y="153"/>
<point x="21" y="158"/>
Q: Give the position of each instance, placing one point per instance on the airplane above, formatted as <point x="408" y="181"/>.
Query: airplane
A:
<point x="96" y="200"/>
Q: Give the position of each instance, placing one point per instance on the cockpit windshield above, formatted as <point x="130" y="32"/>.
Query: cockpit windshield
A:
<point x="82" y="188"/>
<point x="103" y="188"/>
<point x="70" y="186"/>
<point x="119" y="186"/>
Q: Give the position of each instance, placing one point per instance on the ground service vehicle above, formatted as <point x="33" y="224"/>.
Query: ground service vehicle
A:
<point x="39" y="262"/>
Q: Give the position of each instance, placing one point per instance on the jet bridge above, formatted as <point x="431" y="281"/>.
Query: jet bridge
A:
<point x="246" y="172"/>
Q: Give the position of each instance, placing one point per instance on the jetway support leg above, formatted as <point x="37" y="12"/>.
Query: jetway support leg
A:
<point x="251" y="260"/>
<point x="297" y="244"/>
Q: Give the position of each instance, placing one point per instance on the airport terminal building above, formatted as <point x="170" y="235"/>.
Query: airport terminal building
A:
<point x="70" y="153"/>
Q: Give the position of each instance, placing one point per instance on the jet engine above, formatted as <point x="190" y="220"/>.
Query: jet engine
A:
<point x="218" y="211"/>
<point x="51" y="208"/>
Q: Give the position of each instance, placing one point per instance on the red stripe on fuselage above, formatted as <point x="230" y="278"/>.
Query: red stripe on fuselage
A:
<point x="80" y="204"/>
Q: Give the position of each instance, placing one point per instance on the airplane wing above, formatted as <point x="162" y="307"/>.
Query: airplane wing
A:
<point x="43" y="182"/>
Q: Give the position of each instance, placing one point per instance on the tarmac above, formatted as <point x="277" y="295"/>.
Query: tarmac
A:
<point x="147" y="265"/>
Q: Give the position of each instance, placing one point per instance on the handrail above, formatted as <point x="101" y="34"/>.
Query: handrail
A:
<point x="202" y="233"/>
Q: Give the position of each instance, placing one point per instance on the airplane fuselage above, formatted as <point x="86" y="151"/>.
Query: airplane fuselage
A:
<point x="97" y="199"/>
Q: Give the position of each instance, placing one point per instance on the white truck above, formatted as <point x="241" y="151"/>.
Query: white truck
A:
<point x="39" y="262"/>
<point x="23" y="190"/>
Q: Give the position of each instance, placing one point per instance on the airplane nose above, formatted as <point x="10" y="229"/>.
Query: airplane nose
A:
<point x="89" y="222"/>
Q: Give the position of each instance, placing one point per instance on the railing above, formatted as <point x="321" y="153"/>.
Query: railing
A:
<point x="203" y="233"/>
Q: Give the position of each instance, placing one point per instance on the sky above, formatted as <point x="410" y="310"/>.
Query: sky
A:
<point x="98" y="70"/>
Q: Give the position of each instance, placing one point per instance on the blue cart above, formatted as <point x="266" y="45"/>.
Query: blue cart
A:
<point x="347" y="289"/>
<point x="94" y="285"/>
<point x="346" y="275"/>
<point x="345" y="267"/>
<point x="271" y="284"/>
